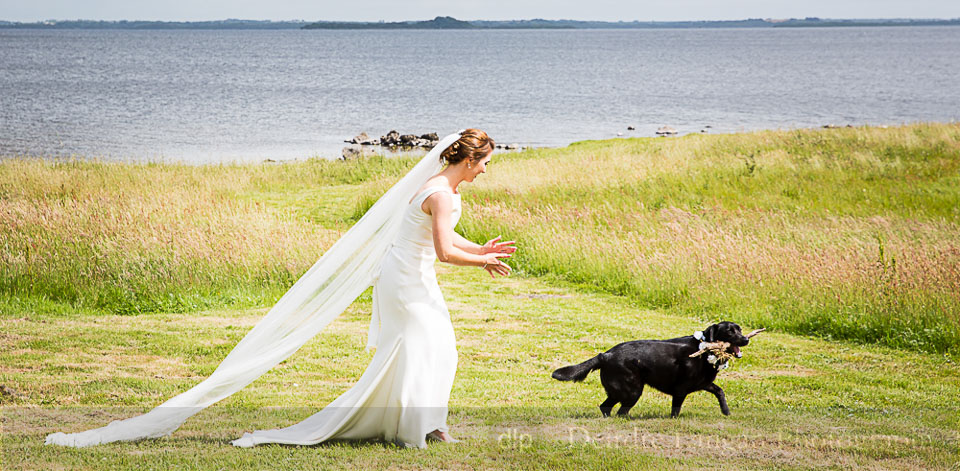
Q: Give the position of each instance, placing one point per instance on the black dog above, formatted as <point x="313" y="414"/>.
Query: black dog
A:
<point x="663" y="364"/>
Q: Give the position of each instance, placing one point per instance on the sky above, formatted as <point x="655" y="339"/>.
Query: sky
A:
<point x="401" y="10"/>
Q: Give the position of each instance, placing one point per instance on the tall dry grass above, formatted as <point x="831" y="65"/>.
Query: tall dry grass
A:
<point x="141" y="238"/>
<point x="844" y="233"/>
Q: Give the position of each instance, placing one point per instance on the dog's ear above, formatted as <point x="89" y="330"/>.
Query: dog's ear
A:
<point x="710" y="333"/>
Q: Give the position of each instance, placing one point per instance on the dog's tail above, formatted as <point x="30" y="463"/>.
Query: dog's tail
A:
<point x="579" y="372"/>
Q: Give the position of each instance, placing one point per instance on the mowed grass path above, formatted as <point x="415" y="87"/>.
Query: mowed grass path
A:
<point x="797" y="403"/>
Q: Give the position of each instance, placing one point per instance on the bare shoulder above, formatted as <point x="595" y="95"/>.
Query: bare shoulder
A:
<point x="439" y="201"/>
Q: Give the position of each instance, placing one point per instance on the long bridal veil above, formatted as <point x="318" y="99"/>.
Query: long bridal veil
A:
<point x="344" y="271"/>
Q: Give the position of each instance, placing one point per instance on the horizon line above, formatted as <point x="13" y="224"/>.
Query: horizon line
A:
<point x="299" y="20"/>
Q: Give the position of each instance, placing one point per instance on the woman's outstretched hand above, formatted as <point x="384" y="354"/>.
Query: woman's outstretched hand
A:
<point x="493" y="264"/>
<point x="494" y="250"/>
<point x="495" y="246"/>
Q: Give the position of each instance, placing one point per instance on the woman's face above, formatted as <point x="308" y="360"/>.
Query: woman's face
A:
<point x="476" y="168"/>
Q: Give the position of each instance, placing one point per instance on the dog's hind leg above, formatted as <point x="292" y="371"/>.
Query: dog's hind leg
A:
<point x="607" y="406"/>
<point x="677" y="404"/>
<point x="717" y="391"/>
<point x="614" y="387"/>
<point x="627" y="404"/>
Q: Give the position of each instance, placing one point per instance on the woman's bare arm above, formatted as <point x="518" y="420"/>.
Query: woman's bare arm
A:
<point x="462" y="243"/>
<point x="440" y="208"/>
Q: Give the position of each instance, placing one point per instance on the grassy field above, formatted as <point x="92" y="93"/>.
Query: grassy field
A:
<point x="121" y="285"/>
<point x="797" y="402"/>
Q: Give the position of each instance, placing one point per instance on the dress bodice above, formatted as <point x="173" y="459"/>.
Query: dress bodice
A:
<point x="416" y="229"/>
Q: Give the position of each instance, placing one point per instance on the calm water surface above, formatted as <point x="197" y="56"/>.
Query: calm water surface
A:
<point x="212" y="96"/>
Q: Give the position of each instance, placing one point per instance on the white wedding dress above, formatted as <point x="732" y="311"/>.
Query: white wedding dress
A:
<point x="403" y="394"/>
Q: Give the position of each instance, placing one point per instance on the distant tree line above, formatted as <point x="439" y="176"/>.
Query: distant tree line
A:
<point x="446" y="22"/>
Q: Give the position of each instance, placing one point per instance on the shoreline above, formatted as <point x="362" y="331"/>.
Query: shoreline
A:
<point x="626" y="133"/>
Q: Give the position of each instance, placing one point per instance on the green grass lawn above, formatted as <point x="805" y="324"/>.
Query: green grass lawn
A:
<point x="797" y="402"/>
<point x="122" y="285"/>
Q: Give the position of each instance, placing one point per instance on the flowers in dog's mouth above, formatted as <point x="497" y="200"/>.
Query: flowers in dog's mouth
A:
<point x="721" y="351"/>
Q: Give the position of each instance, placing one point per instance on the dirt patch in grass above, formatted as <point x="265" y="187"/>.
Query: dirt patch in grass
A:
<point x="757" y="374"/>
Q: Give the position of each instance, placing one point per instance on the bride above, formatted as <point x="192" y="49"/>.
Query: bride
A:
<point x="403" y="394"/>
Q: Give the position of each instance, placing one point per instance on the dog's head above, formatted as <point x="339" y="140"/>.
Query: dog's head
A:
<point x="726" y="332"/>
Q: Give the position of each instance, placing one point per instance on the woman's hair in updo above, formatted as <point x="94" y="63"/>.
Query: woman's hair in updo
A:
<point x="473" y="144"/>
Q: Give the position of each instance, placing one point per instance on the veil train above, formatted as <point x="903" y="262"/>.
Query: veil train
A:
<point x="341" y="274"/>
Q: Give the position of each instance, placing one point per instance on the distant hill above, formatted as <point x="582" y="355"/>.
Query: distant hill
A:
<point x="577" y="24"/>
<point x="446" y="22"/>
<point x="440" y="22"/>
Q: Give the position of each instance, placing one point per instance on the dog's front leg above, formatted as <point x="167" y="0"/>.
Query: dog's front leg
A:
<point x="717" y="391"/>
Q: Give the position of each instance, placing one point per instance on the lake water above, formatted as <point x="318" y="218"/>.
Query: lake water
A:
<point x="212" y="96"/>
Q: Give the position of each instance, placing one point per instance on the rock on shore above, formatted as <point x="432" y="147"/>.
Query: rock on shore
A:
<point x="666" y="131"/>
<point x="395" y="139"/>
